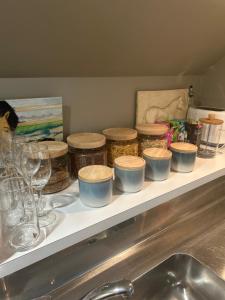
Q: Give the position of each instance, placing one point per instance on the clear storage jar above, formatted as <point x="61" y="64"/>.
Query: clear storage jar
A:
<point x="86" y="149"/>
<point x="119" y="142"/>
<point x="151" y="136"/>
<point x="210" y="136"/>
<point x="60" y="177"/>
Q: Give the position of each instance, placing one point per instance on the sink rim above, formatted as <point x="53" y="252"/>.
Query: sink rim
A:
<point x="174" y="255"/>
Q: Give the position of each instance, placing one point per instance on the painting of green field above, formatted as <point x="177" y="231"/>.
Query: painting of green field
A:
<point x="39" y="118"/>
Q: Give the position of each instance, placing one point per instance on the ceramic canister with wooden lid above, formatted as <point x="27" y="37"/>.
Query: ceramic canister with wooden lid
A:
<point x="152" y="136"/>
<point x="60" y="178"/>
<point x="95" y="184"/>
<point x="119" y="142"/>
<point x="183" y="156"/>
<point x="158" y="163"/>
<point x="86" y="148"/>
<point x="129" y="173"/>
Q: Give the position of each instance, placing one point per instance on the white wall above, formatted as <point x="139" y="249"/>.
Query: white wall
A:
<point x="92" y="104"/>
<point x="212" y="91"/>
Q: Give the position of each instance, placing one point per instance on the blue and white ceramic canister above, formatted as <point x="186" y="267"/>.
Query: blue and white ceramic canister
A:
<point x="129" y="173"/>
<point x="158" y="162"/>
<point x="184" y="157"/>
<point x="95" y="183"/>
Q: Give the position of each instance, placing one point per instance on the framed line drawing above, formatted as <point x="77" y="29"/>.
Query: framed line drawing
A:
<point x="154" y="106"/>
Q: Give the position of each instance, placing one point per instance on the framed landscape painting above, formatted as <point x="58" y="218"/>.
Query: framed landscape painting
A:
<point x="39" y="118"/>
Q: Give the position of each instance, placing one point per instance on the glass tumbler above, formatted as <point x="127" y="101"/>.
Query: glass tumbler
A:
<point x="19" y="208"/>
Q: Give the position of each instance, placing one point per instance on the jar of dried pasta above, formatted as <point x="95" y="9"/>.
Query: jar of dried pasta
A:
<point x="151" y="136"/>
<point x="119" y="142"/>
<point x="86" y="148"/>
<point x="60" y="177"/>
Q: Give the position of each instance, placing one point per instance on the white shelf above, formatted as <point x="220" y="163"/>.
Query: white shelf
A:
<point x="77" y="222"/>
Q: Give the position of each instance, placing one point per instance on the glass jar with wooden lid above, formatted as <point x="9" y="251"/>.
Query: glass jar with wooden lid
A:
<point x="151" y="136"/>
<point x="86" y="148"/>
<point x="119" y="142"/>
<point x="60" y="178"/>
<point x="210" y="136"/>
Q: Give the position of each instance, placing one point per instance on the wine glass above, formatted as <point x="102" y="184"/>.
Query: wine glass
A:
<point x="16" y="202"/>
<point x="38" y="182"/>
<point x="29" y="161"/>
<point x="17" y="147"/>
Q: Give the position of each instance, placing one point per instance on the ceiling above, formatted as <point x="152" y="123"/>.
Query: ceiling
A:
<point x="41" y="38"/>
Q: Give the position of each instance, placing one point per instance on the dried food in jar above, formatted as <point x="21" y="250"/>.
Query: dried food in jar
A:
<point x="86" y="149"/>
<point x="120" y="142"/>
<point x="60" y="178"/>
<point x="152" y="136"/>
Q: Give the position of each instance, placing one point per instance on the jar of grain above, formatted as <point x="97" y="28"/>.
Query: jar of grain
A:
<point x="60" y="178"/>
<point x="86" y="149"/>
<point x="151" y="136"/>
<point x="119" y="142"/>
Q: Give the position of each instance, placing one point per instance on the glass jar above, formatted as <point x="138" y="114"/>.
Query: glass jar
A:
<point x="120" y="142"/>
<point x="60" y="177"/>
<point x="210" y="136"/>
<point x="86" y="149"/>
<point x="194" y="131"/>
<point x="152" y="136"/>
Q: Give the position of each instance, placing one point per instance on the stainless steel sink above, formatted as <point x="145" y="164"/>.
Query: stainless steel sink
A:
<point x="180" y="277"/>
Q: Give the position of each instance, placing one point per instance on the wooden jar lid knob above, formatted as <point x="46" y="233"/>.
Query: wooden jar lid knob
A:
<point x="211" y="116"/>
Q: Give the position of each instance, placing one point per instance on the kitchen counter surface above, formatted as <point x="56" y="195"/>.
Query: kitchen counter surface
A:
<point x="77" y="222"/>
<point x="199" y="232"/>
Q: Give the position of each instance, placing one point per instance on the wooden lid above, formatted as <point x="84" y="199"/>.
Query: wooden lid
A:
<point x="95" y="173"/>
<point x="157" y="153"/>
<point x="55" y="148"/>
<point x="211" y="120"/>
<point x="129" y="162"/>
<point x="183" y="147"/>
<point x="86" y="140"/>
<point x="152" y="129"/>
<point x="120" y="134"/>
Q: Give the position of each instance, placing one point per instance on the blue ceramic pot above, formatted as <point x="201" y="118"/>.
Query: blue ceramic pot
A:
<point x="129" y="173"/>
<point x="96" y="194"/>
<point x="95" y="184"/>
<point x="184" y="157"/>
<point x="183" y="162"/>
<point x="158" y="162"/>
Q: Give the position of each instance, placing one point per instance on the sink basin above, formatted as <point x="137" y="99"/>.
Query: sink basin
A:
<point x="180" y="277"/>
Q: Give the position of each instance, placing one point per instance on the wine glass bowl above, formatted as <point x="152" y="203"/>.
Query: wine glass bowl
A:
<point x="38" y="182"/>
<point x="29" y="161"/>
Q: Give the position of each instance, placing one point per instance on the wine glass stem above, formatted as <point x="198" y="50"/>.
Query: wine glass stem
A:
<point x="40" y="203"/>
